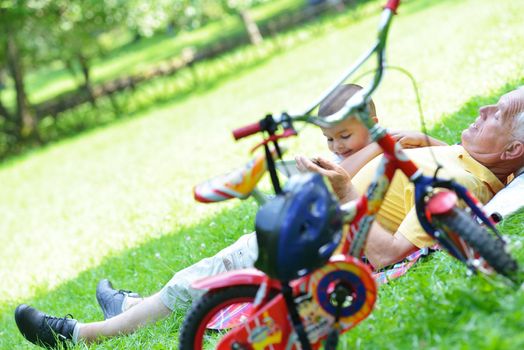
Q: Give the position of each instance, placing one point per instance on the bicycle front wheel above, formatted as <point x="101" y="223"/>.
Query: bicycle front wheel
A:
<point x="476" y="242"/>
<point x="214" y="315"/>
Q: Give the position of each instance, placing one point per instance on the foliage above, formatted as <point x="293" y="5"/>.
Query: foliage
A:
<point x="76" y="35"/>
<point x="197" y="76"/>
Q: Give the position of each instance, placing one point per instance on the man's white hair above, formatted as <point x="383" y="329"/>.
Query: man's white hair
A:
<point x="518" y="122"/>
<point x="518" y="130"/>
<point x="518" y="134"/>
<point x="518" y="127"/>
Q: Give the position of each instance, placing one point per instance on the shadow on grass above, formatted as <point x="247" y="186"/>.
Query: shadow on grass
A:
<point x="144" y="269"/>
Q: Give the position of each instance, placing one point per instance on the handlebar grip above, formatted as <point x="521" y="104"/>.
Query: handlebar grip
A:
<point x="392" y="5"/>
<point x="247" y="130"/>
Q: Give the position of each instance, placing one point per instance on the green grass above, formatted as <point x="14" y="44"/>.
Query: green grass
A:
<point x="437" y="306"/>
<point x="116" y="202"/>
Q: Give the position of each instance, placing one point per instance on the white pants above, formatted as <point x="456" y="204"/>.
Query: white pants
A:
<point x="241" y="254"/>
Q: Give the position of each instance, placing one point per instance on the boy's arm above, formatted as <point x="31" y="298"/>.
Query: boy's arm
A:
<point x="407" y="139"/>
<point x="356" y="161"/>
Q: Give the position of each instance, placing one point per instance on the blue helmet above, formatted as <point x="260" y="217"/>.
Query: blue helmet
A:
<point x="298" y="230"/>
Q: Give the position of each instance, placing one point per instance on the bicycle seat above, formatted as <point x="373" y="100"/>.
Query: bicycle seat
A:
<point x="238" y="183"/>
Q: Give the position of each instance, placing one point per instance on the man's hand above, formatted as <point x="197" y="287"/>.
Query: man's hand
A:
<point x="337" y="176"/>
<point x="414" y="139"/>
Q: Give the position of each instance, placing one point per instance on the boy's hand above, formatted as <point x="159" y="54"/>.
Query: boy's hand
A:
<point x="414" y="139"/>
<point x="305" y="164"/>
<point x="337" y="176"/>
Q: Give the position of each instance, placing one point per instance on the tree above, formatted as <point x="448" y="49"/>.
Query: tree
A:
<point x="39" y="32"/>
<point x="12" y="17"/>
<point x="4" y="112"/>
<point x="75" y="27"/>
<point x="146" y="17"/>
<point x="241" y="8"/>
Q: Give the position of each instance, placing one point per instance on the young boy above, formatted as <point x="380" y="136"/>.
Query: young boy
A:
<point x="125" y="312"/>
<point x="349" y="140"/>
<point x="350" y="135"/>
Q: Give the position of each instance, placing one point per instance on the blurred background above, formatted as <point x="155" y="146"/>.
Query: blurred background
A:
<point x="67" y="66"/>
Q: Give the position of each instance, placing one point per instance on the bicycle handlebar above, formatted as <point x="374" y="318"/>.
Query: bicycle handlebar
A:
<point x="247" y="130"/>
<point x="392" y="5"/>
<point x="358" y="102"/>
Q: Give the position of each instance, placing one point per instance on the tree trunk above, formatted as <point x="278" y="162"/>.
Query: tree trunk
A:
<point x="339" y="5"/>
<point x="251" y="27"/>
<point x="25" y="119"/>
<point x="68" y="64"/>
<point x="84" y="65"/>
<point x="4" y="112"/>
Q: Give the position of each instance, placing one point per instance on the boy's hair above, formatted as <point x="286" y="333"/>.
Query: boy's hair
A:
<point x="338" y="98"/>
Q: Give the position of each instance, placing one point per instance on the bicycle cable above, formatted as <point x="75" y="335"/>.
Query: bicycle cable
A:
<point x="418" y="102"/>
<point x="420" y="111"/>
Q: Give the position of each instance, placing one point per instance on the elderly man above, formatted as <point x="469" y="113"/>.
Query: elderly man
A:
<point x="492" y="149"/>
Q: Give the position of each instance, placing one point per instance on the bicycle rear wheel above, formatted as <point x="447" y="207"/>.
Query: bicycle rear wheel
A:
<point x="217" y="305"/>
<point x="477" y="242"/>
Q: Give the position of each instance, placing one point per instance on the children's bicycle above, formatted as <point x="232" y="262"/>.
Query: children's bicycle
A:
<point x="306" y="297"/>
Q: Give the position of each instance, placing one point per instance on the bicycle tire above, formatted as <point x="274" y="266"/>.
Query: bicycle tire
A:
<point x="192" y="334"/>
<point x="477" y="237"/>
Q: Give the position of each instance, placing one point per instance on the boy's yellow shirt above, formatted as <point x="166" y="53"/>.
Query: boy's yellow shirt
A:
<point x="398" y="213"/>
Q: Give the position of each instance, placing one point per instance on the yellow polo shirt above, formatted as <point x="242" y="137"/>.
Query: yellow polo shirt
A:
<point x="398" y="212"/>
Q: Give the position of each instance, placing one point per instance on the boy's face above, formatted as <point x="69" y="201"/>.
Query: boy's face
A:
<point x="346" y="138"/>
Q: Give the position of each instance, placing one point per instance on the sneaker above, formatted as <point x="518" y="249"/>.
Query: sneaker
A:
<point x="44" y="330"/>
<point x="111" y="300"/>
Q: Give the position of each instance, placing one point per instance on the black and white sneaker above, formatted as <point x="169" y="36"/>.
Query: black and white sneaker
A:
<point x="111" y="300"/>
<point x="44" y="330"/>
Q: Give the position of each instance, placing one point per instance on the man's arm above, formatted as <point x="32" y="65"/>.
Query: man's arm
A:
<point x="415" y="139"/>
<point x="383" y="248"/>
<point x="406" y="138"/>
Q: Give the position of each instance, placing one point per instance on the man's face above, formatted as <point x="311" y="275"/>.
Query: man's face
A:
<point x="346" y="138"/>
<point x="487" y="138"/>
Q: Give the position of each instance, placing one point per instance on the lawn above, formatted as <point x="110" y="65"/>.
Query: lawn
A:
<point x="116" y="202"/>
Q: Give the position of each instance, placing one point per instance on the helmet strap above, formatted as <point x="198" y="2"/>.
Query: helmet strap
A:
<point x="295" y="317"/>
